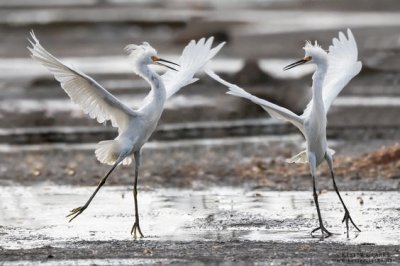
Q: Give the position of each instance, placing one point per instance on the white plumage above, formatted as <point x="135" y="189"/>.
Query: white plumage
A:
<point x="134" y="126"/>
<point x="343" y="65"/>
<point x="194" y="58"/>
<point x="334" y="70"/>
<point x="101" y="105"/>
<point x="94" y="100"/>
<point x="274" y="110"/>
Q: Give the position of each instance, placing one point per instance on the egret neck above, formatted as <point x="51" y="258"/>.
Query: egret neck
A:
<point x="318" y="80"/>
<point x="334" y="70"/>
<point x="158" y="93"/>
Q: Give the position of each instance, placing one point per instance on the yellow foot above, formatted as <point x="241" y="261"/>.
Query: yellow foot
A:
<point x="75" y="212"/>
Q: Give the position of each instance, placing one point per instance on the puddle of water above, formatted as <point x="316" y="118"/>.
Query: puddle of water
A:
<point x="35" y="216"/>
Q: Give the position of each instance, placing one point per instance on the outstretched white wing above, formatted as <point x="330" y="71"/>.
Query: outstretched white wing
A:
<point x="343" y="65"/>
<point x="273" y="109"/>
<point x="193" y="59"/>
<point x="96" y="101"/>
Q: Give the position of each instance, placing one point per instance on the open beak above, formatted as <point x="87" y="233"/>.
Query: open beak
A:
<point x="164" y="62"/>
<point x="298" y="63"/>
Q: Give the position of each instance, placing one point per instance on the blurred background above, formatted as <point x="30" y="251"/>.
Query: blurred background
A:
<point x="205" y="137"/>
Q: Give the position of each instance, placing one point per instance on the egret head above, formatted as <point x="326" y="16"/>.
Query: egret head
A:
<point x="144" y="54"/>
<point x="313" y="53"/>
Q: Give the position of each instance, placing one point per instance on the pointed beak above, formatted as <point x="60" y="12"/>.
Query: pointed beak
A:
<point x="164" y="62"/>
<point x="297" y="63"/>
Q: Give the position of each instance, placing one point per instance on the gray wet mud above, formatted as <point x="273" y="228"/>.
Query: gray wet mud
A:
<point x="219" y="225"/>
<point x="33" y="219"/>
<point x="206" y="227"/>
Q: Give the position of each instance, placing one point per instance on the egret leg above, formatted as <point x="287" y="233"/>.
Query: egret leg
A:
<point x="313" y="166"/>
<point x="347" y="216"/>
<point x="77" y="211"/>
<point x="136" y="225"/>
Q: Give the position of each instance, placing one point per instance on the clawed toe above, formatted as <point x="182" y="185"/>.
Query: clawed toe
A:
<point x="346" y="219"/>
<point x="324" y="231"/>
<point x="75" y="212"/>
<point x="136" y="227"/>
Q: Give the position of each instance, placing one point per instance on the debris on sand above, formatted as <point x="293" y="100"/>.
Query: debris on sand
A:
<point x="373" y="170"/>
<point x="382" y="163"/>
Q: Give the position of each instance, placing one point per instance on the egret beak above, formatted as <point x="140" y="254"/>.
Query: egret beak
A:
<point x="298" y="63"/>
<point x="160" y="61"/>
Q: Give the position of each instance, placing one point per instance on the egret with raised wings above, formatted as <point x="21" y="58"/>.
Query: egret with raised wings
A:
<point x="333" y="71"/>
<point x="134" y="126"/>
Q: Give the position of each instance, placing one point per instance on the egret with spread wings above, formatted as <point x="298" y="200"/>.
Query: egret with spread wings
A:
<point x="134" y="126"/>
<point x="334" y="70"/>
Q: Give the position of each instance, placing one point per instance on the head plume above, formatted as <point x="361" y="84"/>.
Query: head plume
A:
<point x="309" y="45"/>
<point x="314" y="50"/>
<point x="140" y="51"/>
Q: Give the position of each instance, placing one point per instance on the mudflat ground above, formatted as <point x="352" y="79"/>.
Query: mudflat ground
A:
<point x="212" y="226"/>
<point x="214" y="188"/>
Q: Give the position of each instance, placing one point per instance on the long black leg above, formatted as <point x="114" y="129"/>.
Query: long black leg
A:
<point x="136" y="225"/>
<point x="321" y="225"/>
<point x="347" y="216"/>
<point x="324" y="231"/>
<point x="77" y="211"/>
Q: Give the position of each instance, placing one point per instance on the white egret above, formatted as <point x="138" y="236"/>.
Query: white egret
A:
<point x="334" y="70"/>
<point x="134" y="126"/>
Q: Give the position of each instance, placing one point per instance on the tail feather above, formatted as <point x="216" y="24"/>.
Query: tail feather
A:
<point x="108" y="152"/>
<point x="299" y="158"/>
<point x="302" y="158"/>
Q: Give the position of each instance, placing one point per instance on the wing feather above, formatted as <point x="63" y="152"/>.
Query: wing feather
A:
<point x="95" y="101"/>
<point x="193" y="59"/>
<point x="273" y="109"/>
<point x="343" y="65"/>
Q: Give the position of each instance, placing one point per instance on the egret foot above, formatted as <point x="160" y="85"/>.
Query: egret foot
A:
<point x="75" y="212"/>
<point x="325" y="233"/>
<point x="346" y="219"/>
<point x="135" y="227"/>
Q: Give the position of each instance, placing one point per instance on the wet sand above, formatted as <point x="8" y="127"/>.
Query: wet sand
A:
<point x="214" y="185"/>
<point x="203" y="226"/>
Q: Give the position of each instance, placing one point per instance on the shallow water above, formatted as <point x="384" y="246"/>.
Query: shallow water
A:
<point x="35" y="216"/>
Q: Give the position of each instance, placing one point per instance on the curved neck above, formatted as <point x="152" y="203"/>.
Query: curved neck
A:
<point x="157" y="95"/>
<point x="318" y="80"/>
